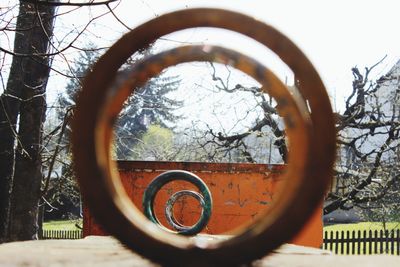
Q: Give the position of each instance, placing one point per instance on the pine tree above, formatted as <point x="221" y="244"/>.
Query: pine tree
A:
<point x="151" y="104"/>
<point x="86" y="60"/>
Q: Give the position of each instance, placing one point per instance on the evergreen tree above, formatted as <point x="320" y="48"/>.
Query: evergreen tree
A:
<point x="62" y="194"/>
<point x="151" y="104"/>
<point x="67" y="100"/>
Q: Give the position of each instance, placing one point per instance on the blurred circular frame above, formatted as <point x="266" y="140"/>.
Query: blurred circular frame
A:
<point x="309" y="125"/>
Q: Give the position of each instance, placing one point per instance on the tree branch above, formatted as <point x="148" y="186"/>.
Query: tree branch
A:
<point x="69" y="2"/>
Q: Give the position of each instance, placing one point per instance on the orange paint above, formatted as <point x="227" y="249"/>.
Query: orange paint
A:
<point x="240" y="193"/>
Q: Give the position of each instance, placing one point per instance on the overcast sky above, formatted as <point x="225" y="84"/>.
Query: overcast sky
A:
<point x="335" y="35"/>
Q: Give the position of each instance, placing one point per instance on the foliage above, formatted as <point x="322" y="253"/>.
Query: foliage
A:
<point x="35" y="165"/>
<point x="155" y="144"/>
<point x="150" y="104"/>
<point x="30" y="156"/>
<point x="78" y="71"/>
<point x="385" y="209"/>
<point x="61" y="192"/>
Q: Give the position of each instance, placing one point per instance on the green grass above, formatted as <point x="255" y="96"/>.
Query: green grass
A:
<point x="362" y="226"/>
<point x="70" y="225"/>
<point x="62" y="225"/>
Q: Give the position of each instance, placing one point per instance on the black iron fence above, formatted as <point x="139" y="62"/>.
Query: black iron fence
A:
<point x="339" y="242"/>
<point x="362" y="242"/>
<point x="60" y="234"/>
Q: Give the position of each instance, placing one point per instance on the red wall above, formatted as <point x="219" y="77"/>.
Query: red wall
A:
<point x="240" y="193"/>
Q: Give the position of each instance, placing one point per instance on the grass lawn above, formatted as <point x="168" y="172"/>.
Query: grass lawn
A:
<point x="62" y="225"/>
<point x="362" y="226"/>
<point x="337" y="247"/>
<point x="70" y="225"/>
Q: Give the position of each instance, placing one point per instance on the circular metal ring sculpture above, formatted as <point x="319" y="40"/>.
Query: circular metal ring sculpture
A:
<point x="204" y="198"/>
<point x="309" y="126"/>
<point x="170" y="206"/>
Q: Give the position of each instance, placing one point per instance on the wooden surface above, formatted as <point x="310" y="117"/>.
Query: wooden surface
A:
<point x="106" y="252"/>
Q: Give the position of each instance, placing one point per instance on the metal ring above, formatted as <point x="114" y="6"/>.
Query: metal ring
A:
<point x="169" y="176"/>
<point x="169" y="209"/>
<point x="311" y="153"/>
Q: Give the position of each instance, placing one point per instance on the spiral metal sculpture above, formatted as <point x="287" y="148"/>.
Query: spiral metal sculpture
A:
<point x="204" y="198"/>
<point x="307" y="115"/>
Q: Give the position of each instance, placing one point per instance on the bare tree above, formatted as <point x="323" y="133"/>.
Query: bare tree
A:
<point x="240" y="141"/>
<point x="368" y="137"/>
<point x="367" y="169"/>
<point x="23" y="107"/>
<point x="23" y="115"/>
<point x="368" y="173"/>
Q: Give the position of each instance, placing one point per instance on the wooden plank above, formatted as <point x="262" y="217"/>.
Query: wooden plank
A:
<point x="108" y="252"/>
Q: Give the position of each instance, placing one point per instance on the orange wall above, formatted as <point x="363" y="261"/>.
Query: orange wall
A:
<point x="240" y="193"/>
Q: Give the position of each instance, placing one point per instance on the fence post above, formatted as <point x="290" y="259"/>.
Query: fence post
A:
<point x="353" y="242"/>
<point x="387" y="242"/>
<point x="337" y="242"/>
<point x="331" y="243"/>
<point x="398" y="241"/>
<point x="61" y="234"/>
<point x="370" y="242"/>
<point x="392" y="242"/>
<point x="364" y="241"/>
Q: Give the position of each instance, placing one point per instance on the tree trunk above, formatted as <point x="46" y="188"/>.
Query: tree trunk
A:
<point x="9" y="110"/>
<point x="28" y="77"/>
<point x="8" y="118"/>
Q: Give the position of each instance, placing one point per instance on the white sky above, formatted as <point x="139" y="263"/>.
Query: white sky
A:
<point x="335" y="35"/>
